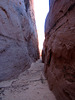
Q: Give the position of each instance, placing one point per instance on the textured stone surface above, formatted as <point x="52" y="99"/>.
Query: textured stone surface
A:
<point x="30" y="85"/>
<point x="59" y="48"/>
<point x="18" y="38"/>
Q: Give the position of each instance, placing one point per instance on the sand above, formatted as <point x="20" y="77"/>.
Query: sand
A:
<point x="30" y="85"/>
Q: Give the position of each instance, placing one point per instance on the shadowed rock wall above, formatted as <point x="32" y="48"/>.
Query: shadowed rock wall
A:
<point x="59" y="49"/>
<point x="18" y="38"/>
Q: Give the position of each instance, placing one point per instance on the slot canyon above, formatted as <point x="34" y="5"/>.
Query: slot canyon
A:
<point x="24" y="75"/>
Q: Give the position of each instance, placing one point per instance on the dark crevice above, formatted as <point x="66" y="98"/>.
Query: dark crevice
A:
<point x="25" y="39"/>
<point x="5" y="12"/>
<point x="71" y="7"/>
<point x="60" y="26"/>
<point x="1" y="51"/>
<point x="43" y="55"/>
<point x="4" y="49"/>
<point x="27" y="4"/>
<point x="67" y="95"/>
<point x="10" y="38"/>
<point x="49" y="58"/>
<point x="7" y="37"/>
<point x="61" y="11"/>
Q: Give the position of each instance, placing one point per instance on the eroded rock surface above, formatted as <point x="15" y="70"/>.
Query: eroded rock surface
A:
<point x="18" y="38"/>
<point x="30" y="85"/>
<point x="59" y="48"/>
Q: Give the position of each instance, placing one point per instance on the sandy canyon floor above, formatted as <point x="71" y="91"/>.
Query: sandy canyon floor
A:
<point x="30" y="85"/>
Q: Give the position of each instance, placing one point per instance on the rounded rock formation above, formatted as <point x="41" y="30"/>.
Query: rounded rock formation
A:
<point x="18" y="38"/>
<point x="59" y="48"/>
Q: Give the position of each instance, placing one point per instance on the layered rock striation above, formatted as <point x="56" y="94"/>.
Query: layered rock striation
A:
<point x="59" y="49"/>
<point x="18" y="37"/>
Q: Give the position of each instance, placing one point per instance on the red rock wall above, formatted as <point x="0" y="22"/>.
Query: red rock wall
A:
<point x="18" y="38"/>
<point x="59" y="49"/>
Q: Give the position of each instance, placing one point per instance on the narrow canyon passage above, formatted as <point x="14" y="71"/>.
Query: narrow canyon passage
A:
<point x="30" y="85"/>
<point x="20" y="78"/>
<point x="21" y="71"/>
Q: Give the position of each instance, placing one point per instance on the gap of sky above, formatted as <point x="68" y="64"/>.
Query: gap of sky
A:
<point x="41" y="8"/>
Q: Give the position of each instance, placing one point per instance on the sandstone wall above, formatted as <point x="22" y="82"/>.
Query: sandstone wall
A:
<point x="59" y="49"/>
<point x="18" y="38"/>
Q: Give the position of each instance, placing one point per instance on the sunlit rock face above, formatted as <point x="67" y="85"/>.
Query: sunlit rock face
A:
<point x="18" y="38"/>
<point x="59" y="49"/>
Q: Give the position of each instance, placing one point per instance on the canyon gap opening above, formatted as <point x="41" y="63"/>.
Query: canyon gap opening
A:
<point x="41" y="8"/>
